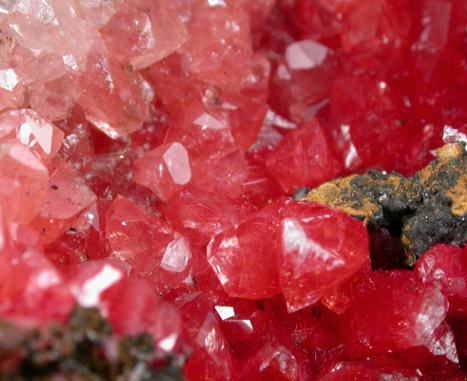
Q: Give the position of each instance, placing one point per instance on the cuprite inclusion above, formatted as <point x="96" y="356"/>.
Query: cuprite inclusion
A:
<point x="156" y="141"/>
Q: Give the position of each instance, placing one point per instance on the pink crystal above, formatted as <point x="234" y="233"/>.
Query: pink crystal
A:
<point x="241" y="321"/>
<point x="24" y="179"/>
<point x="148" y="244"/>
<point x="112" y="96"/>
<point x="35" y="68"/>
<point x="367" y="120"/>
<point x="204" y="214"/>
<point x="359" y="370"/>
<point x="11" y="89"/>
<point x="235" y="255"/>
<point x="36" y="297"/>
<point x="99" y="12"/>
<point x="175" y="134"/>
<point x="226" y="175"/>
<point x="259" y="188"/>
<point x="54" y="100"/>
<point x="151" y="29"/>
<point x="212" y="358"/>
<point x="302" y="82"/>
<point x="219" y="42"/>
<point x="130" y="305"/>
<point x="164" y="170"/>
<point x="76" y="147"/>
<point x="55" y="26"/>
<point x="24" y="125"/>
<point x="68" y="199"/>
<point x="446" y="267"/>
<point x="203" y="132"/>
<point x="357" y="287"/>
<point x="132" y="230"/>
<point x="207" y="136"/>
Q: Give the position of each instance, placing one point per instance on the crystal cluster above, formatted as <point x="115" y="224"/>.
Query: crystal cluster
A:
<point x="149" y="150"/>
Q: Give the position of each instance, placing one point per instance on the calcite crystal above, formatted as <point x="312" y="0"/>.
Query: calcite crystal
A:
<point x="150" y="151"/>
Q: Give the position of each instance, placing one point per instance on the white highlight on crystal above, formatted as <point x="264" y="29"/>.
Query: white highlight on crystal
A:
<point x="215" y="3"/>
<point x="451" y="135"/>
<point x="352" y="156"/>
<point x="70" y="61"/>
<point x="305" y="55"/>
<point x="178" y="164"/>
<point x="176" y="256"/>
<point x="208" y="121"/>
<point x="225" y="312"/>
<point x="8" y="79"/>
<point x="89" y="293"/>
<point x="25" y="157"/>
<point x="168" y="343"/>
<point x="273" y="119"/>
<point x="40" y="130"/>
<point x="295" y="240"/>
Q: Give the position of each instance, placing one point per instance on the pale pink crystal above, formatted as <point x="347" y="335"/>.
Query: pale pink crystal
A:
<point x="99" y="12"/>
<point x="24" y="125"/>
<point x="143" y="32"/>
<point x="53" y="26"/>
<point x="219" y="43"/>
<point x="35" y="66"/>
<point x="164" y="170"/>
<point x="112" y="96"/>
<point x="23" y="182"/>
<point x="55" y="99"/>
<point x="68" y="198"/>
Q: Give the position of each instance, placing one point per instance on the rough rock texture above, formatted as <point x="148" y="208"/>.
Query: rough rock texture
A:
<point x="81" y="350"/>
<point x="425" y="210"/>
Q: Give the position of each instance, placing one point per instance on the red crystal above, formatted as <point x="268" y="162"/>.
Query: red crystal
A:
<point x="271" y="362"/>
<point x="400" y="313"/>
<point x="321" y="248"/>
<point x="204" y="214"/>
<point x="212" y="358"/>
<point x="446" y="267"/>
<point x="302" y="159"/>
<point x="146" y="242"/>
<point x="235" y="255"/>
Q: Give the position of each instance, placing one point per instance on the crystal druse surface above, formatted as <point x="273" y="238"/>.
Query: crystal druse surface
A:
<point x="153" y="159"/>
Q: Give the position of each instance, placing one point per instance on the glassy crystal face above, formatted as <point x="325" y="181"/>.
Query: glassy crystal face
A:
<point x="150" y="151"/>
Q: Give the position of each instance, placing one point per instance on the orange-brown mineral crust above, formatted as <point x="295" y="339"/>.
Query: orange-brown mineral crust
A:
<point x="424" y="210"/>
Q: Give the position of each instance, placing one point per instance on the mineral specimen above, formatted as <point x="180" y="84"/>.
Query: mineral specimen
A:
<point x="148" y="153"/>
